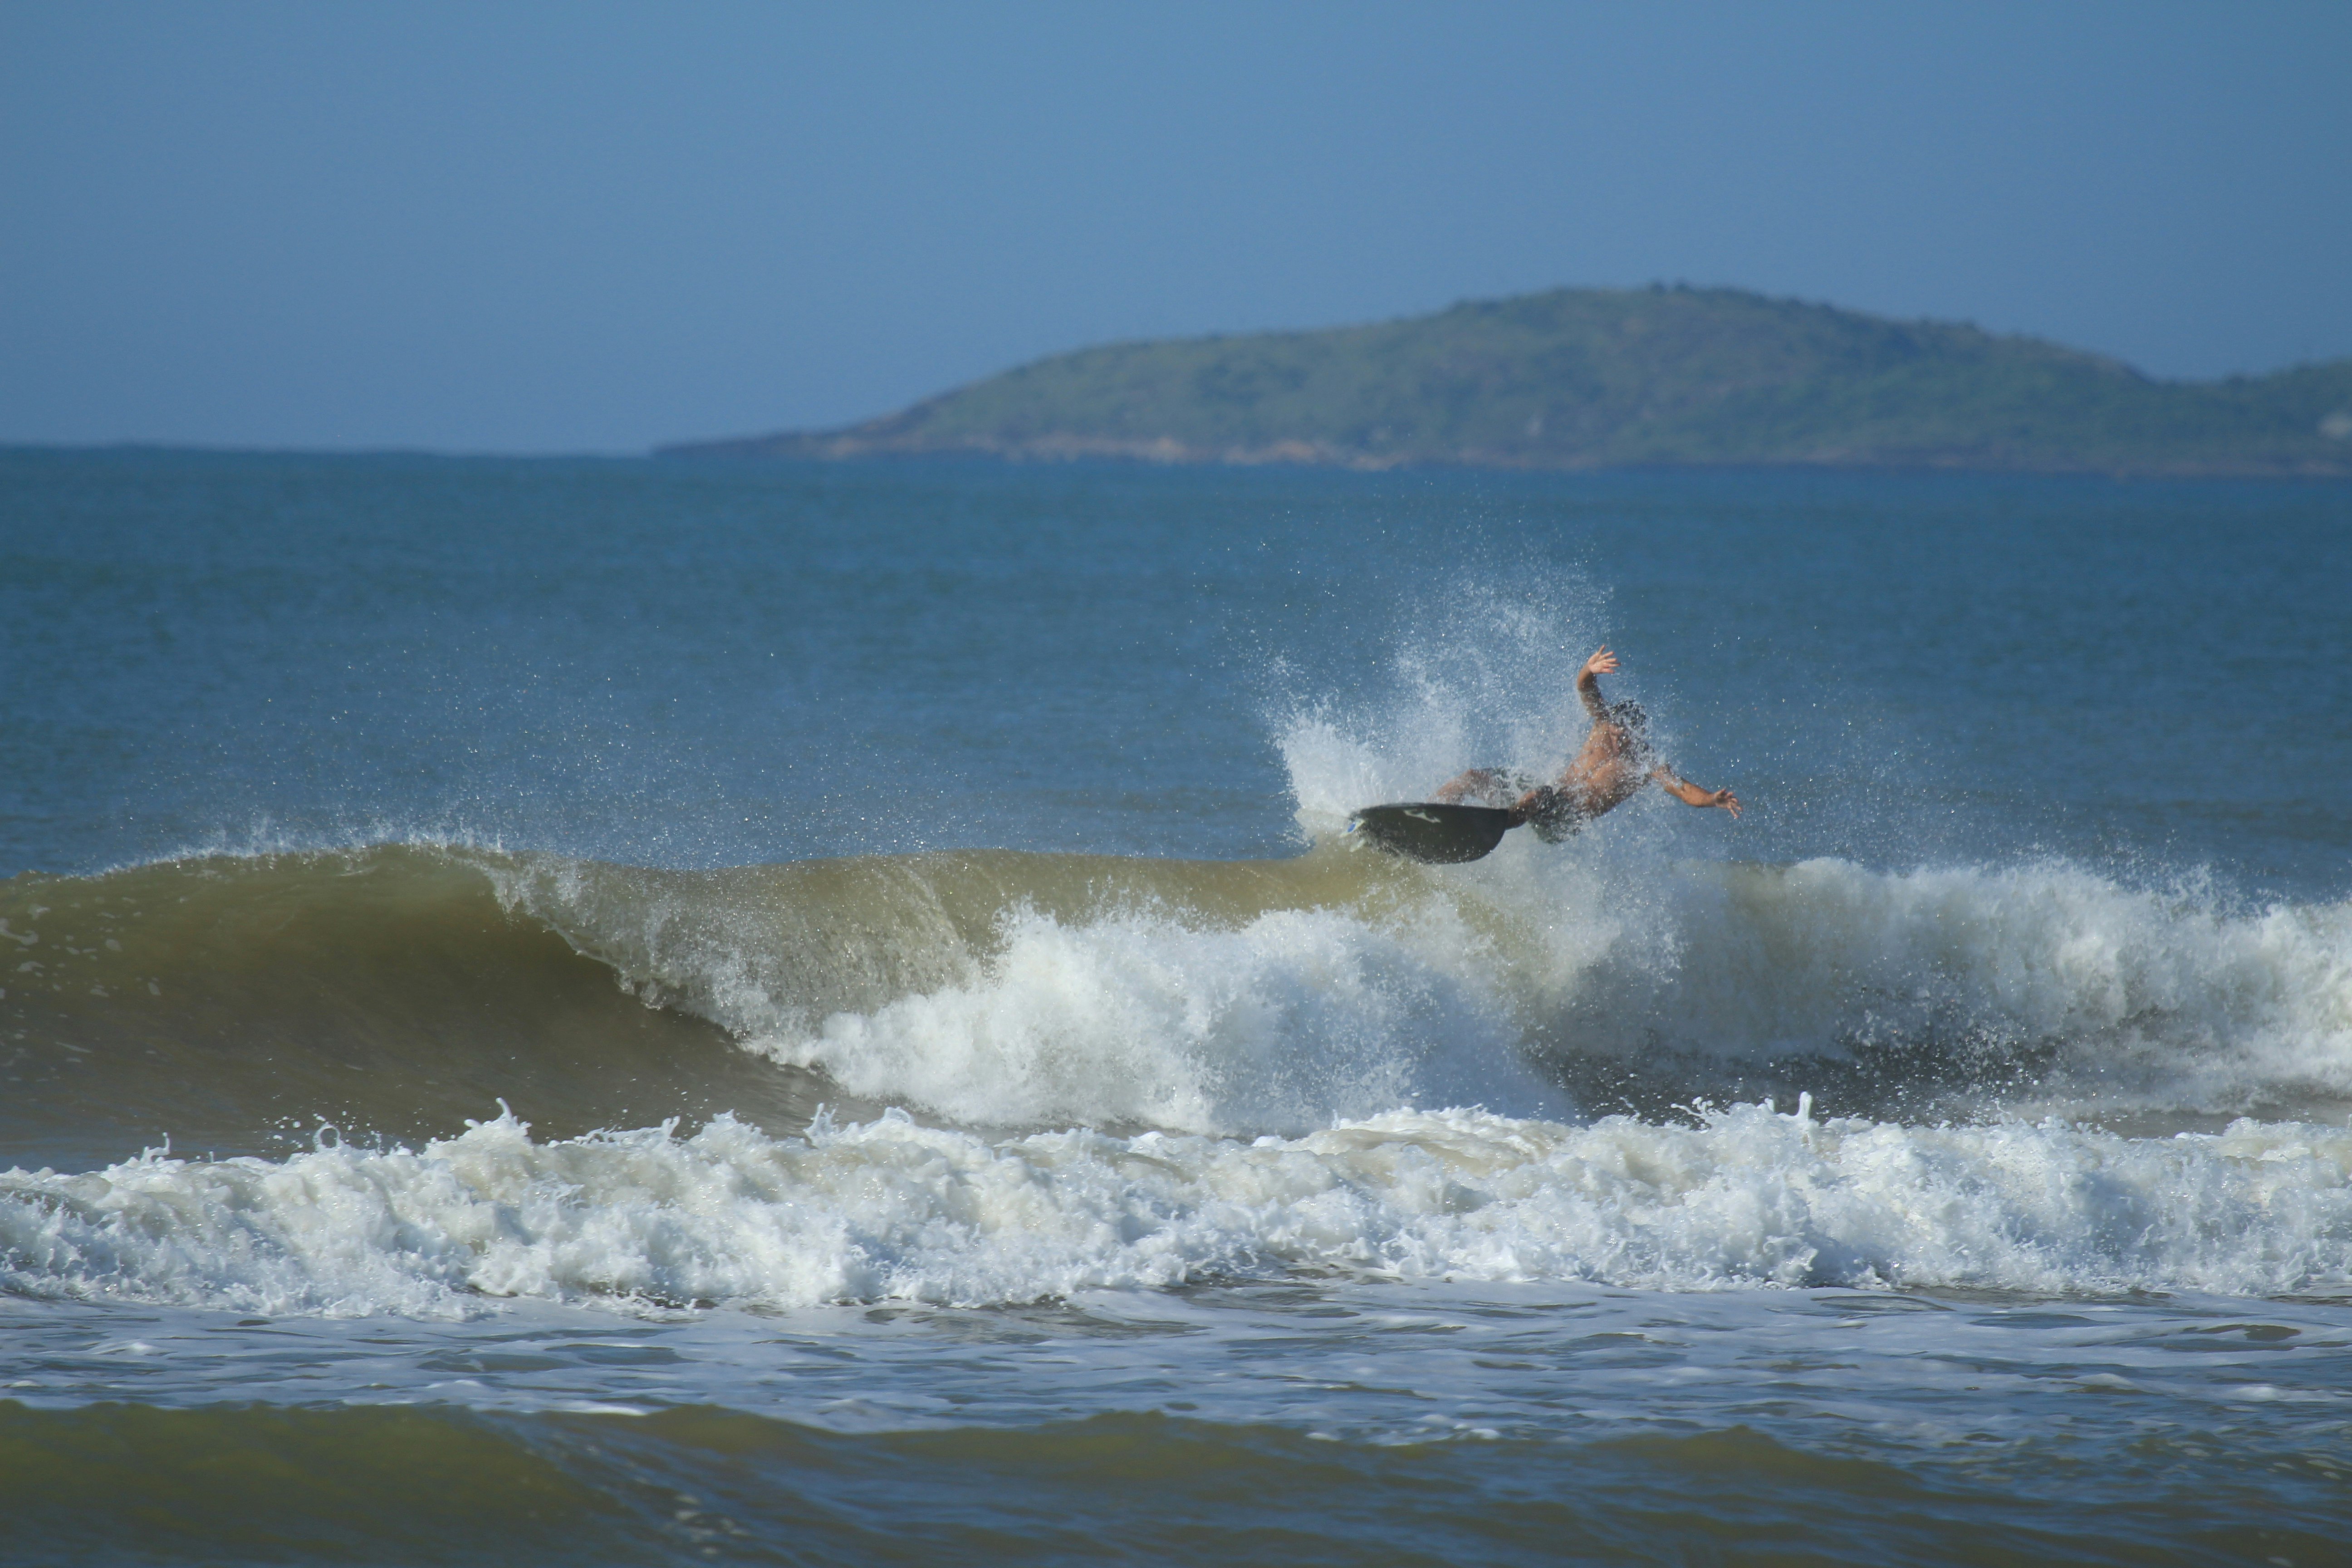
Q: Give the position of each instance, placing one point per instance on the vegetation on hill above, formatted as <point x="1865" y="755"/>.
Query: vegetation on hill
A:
<point x="1590" y="378"/>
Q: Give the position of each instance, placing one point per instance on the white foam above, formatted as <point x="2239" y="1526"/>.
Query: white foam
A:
<point x="1425" y="993"/>
<point x="1280" y="1025"/>
<point x="894" y="1210"/>
<point x="2163" y="998"/>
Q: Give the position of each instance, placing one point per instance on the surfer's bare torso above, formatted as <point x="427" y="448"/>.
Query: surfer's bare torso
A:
<point x="1614" y="762"/>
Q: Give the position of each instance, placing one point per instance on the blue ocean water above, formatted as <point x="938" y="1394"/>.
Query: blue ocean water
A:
<point x="645" y="1010"/>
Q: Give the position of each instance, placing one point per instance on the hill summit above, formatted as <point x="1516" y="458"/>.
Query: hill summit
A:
<point x="1580" y="378"/>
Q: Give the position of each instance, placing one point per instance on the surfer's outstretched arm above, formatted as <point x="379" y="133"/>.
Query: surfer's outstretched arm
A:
<point x="1588" y="684"/>
<point x="1689" y="793"/>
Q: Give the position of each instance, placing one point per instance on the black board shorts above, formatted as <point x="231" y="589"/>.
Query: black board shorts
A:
<point x="1557" y="816"/>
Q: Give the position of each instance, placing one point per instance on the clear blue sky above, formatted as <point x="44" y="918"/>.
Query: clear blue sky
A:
<point x="582" y="227"/>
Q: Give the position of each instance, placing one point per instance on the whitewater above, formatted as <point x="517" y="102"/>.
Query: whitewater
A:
<point x="889" y="1210"/>
<point x="1341" y="1064"/>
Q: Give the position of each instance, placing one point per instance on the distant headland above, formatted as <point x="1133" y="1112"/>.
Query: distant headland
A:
<point x="1589" y="378"/>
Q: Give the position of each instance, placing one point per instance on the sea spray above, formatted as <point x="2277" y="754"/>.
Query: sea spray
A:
<point x="1474" y="674"/>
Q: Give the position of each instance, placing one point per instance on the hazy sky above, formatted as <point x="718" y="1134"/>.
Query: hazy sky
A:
<point x="490" y="227"/>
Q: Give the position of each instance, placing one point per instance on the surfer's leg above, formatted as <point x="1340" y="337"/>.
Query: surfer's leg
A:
<point x="1484" y="785"/>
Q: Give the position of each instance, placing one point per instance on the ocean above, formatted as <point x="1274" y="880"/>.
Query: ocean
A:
<point x="586" y="1011"/>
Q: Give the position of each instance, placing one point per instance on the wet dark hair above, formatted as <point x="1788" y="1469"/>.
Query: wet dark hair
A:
<point x="1629" y="717"/>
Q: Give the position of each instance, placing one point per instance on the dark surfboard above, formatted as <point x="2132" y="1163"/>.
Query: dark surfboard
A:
<point x="1446" y="834"/>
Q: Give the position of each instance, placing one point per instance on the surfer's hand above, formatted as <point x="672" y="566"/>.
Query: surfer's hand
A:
<point x="1726" y="799"/>
<point x="1602" y="663"/>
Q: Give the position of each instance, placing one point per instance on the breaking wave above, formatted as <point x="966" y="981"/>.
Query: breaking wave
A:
<point x="1050" y="1073"/>
<point x="889" y="1209"/>
<point x="399" y="989"/>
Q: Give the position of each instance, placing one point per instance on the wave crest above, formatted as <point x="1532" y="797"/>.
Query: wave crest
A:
<point x="399" y="989"/>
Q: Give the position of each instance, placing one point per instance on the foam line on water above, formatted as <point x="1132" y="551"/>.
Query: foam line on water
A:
<point x="891" y="1209"/>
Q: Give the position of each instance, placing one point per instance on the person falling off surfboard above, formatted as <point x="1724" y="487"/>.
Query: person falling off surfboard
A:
<point x="1616" y="761"/>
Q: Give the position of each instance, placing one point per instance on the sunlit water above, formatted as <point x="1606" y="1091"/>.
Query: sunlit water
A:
<point x="636" y="1011"/>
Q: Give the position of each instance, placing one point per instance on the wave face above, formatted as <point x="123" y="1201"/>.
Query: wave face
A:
<point x="226" y="1004"/>
<point x="399" y="990"/>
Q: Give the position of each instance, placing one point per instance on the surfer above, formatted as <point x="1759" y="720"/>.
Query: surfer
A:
<point x="1616" y="761"/>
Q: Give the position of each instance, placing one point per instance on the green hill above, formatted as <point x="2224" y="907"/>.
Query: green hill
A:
<point x="1591" y="378"/>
